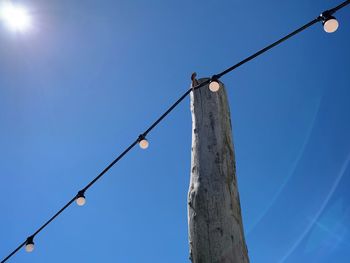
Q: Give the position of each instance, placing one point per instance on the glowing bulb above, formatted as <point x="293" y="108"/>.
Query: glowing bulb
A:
<point x="143" y="144"/>
<point x="29" y="244"/>
<point x="80" y="199"/>
<point x="330" y="25"/>
<point x="29" y="247"/>
<point x="15" y="17"/>
<point x="214" y="86"/>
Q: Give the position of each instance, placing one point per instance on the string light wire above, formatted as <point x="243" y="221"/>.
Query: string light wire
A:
<point x="80" y="194"/>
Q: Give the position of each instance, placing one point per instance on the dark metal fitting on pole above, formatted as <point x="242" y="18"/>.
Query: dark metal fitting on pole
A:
<point x="194" y="81"/>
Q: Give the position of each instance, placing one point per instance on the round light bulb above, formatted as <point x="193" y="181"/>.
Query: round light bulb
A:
<point x="143" y="144"/>
<point x="29" y="247"/>
<point x="81" y="201"/>
<point x="214" y="86"/>
<point x="330" y="25"/>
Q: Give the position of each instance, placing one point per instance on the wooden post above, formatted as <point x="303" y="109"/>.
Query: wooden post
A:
<point x="214" y="213"/>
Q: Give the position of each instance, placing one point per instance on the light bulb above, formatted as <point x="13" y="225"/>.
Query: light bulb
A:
<point x="214" y="86"/>
<point x="29" y="247"/>
<point x="29" y="244"/>
<point x="80" y="199"/>
<point x="330" y="25"/>
<point x="143" y="144"/>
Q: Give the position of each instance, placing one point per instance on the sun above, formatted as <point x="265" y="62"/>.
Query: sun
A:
<point x="15" y="17"/>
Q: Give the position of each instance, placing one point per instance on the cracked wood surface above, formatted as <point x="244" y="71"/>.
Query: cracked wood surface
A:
<point x="214" y="213"/>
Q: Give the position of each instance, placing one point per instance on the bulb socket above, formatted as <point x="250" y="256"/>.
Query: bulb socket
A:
<point x="80" y="199"/>
<point x="143" y="143"/>
<point x="29" y="246"/>
<point x="329" y="22"/>
<point x="214" y="84"/>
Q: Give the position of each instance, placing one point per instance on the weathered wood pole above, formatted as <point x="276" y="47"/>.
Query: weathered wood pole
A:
<point x="214" y="213"/>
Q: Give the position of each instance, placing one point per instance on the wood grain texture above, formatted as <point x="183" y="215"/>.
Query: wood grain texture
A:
<point x="214" y="213"/>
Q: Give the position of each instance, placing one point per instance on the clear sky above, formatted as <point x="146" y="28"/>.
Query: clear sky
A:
<point x="90" y="76"/>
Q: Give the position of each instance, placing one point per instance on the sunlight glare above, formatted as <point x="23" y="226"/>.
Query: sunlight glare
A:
<point x="16" y="17"/>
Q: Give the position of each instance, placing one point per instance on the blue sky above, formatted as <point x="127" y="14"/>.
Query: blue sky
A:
<point x="90" y="76"/>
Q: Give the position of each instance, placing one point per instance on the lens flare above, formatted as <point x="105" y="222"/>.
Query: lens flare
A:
<point x="15" y="17"/>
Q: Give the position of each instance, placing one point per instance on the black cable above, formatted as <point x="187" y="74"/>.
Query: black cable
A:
<point x="14" y="251"/>
<point x="110" y="165"/>
<point x="335" y="9"/>
<point x="173" y="106"/>
<point x="268" y="47"/>
<point x="318" y="19"/>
